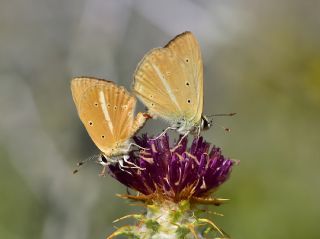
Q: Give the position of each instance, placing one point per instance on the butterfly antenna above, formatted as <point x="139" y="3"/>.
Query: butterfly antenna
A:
<point x="138" y="146"/>
<point x="227" y="114"/>
<point x="79" y="164"/>
<point x="220" y="126"/>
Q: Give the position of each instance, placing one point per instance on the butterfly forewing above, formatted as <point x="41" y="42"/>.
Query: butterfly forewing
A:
<point x="80" y="85"/>
<point x="169" y="80"/>
<point x="106" y="110"/>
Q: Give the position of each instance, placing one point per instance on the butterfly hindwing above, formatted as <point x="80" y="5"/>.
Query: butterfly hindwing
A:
<point x="169" y="80"/>
<point x="152" y="86"/>
<point x="187" y="48"/>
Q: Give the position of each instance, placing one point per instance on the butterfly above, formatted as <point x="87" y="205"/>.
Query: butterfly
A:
<point x="107" y="112"/>
<point x="169" y="81"/>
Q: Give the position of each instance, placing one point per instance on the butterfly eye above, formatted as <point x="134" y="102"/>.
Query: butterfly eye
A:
<point x="102" y="136"/>
<point x="189" y="101"/>
<point x="187" y="60"/>
<point x="108" y="105"/>
<point x="96" y="104"/>
<point x="187" y="83"/>
<point x="115" y="107"/>
<point x="90" y="123"/>
<point x="103" y="159"/>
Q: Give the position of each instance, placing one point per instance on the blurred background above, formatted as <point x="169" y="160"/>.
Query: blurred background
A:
<point x="261" y="60"/>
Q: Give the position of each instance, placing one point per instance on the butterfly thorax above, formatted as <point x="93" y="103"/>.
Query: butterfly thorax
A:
<point x="184" y="126"/>
<point x="119" y="149"/>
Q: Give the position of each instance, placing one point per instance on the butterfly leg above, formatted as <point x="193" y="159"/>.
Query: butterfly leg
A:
<point x="122" y="167"/>
<point x="164" y="132"/>
<point x="138" y="146"/>
<point x="103" y="171"/>
<point x="182" y="138"/>
<point x="199" y="131"/>
<point x="125" y="159"/>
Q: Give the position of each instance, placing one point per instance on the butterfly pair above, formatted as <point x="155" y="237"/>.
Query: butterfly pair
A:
<point x="169" y="81"/>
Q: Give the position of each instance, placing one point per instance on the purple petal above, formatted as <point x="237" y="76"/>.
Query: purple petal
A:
<point x="173" y="170"/>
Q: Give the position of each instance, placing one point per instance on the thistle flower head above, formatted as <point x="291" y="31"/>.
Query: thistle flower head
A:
<point x="174" y="173"/>
<point x="169" y="179"/>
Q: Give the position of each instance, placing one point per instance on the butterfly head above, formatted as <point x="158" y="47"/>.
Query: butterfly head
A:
<point x="205" y="123"/>
<point x="103" y="160"/>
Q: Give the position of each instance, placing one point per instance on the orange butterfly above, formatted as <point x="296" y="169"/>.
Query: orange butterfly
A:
<point x="169" y="81"/>
<point x="107" y="112"/>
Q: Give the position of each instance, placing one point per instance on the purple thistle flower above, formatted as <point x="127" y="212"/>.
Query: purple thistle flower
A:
<point x="175" y="173"/>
